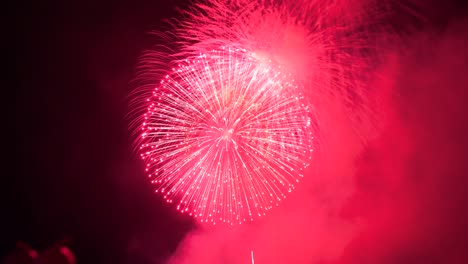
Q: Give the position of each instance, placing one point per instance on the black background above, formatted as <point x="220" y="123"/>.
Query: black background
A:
<point x="73" y="174"/>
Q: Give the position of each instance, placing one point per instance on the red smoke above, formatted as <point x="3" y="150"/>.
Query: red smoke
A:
<point x="399" y="199"/>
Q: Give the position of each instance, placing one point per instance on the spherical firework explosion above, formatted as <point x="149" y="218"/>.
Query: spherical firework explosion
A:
<point x="229" y="131"/>
<point x="225" y="137"/>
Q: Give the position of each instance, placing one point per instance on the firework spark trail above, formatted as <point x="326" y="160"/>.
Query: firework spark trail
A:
<point x="229" y="131"/>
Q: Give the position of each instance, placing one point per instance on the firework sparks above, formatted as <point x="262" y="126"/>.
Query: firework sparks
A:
<point x="226" y="137"/>
<point x="229" y="132"/>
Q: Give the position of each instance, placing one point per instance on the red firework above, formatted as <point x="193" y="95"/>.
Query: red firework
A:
<point x="226" y="137"/>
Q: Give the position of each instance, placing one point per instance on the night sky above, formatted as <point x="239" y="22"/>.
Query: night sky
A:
<point x="70" y="171"/>
<point x="73" y="174"/>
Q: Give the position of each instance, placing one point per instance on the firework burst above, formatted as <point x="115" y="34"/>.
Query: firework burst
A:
<point x="225" y="137"/>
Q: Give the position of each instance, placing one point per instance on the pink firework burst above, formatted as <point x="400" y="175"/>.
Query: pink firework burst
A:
<point x="226" y="137"/>
<point x="229" y="132"/>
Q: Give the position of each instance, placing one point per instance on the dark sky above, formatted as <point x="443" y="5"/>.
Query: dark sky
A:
<point x="72" y="173"/>
<point x="69" y="170"/>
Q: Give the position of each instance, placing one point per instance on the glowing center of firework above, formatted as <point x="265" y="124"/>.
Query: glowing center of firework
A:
<point x="226" y="134"/>
<point x="225" y="137"/>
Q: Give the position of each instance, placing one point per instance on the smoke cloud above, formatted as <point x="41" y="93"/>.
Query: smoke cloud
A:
<point x="400" y="198"/>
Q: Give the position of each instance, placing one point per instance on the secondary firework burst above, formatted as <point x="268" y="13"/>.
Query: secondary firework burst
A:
<point x="226" y="137"/>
